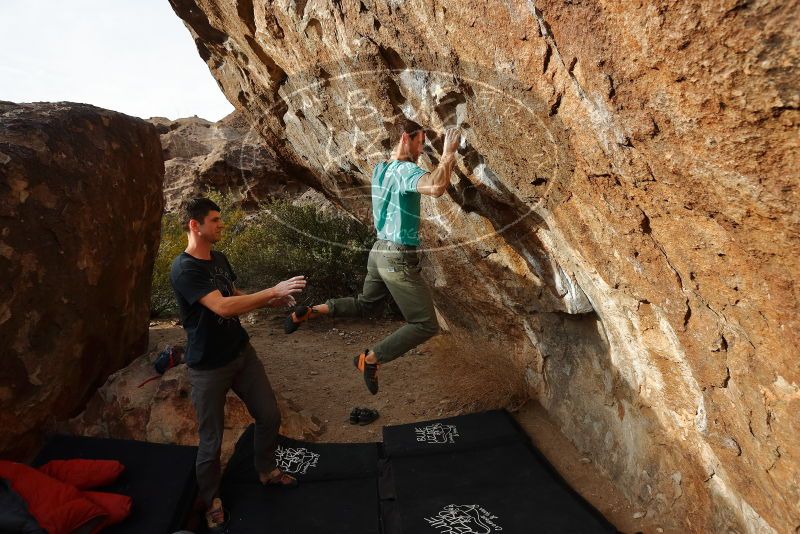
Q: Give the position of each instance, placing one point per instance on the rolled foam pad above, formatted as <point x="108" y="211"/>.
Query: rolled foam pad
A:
<point x="159" y="478"/>
<point x="464" y="432"/>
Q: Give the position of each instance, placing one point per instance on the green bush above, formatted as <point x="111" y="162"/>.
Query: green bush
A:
<point x="277" y="242"/>
<point x="173" y="242"/>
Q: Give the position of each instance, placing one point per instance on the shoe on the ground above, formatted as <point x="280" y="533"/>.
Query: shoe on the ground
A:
<point x="369" y="370"/>
<point x="280" y="479"/>
<point x="216" y="517"/>
<point x="363" y="416"/>
<point x="367" y="416"/>
<point x="354" y="415"/>
<point x="300" y="315"/>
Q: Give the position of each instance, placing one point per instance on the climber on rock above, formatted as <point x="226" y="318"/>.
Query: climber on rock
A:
<point x="219" y="354"/>
<point x="393" y="264"/>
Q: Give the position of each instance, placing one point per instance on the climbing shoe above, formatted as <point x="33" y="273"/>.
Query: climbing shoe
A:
<point x="367" y="416"/>
<point x="300" y="315"/>
<point x="363" y="416"/>
<point x="354" y="415"/>
<point x="369" y="370"/>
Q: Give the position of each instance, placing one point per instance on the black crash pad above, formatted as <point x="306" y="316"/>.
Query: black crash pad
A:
<point x="463" y="432"/>
<point x="502" y="488"/>
<point x="329" y="507"/>
<point x="159" y="478"/>
<point x="306" y="461"/>
<point x="477" y="474"/>
<point x="337" y="492"/>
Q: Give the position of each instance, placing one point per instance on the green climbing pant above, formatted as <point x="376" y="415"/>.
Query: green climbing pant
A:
<point x="393" y="269"/>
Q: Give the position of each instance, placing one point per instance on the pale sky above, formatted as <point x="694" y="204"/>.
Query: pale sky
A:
<point x="133" y="56"/>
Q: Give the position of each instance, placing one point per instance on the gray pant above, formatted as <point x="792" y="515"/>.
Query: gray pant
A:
<point x="393" y="269"/>
<point x="246" y="377"/>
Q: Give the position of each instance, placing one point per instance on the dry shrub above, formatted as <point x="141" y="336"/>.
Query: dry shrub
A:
<point x="486" y="379"/>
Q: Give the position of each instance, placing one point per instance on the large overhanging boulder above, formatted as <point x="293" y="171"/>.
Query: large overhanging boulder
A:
<point x="80" y="206"/>
<point x="623" y="222"/>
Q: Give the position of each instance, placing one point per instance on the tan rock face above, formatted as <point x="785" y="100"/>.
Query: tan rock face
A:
<point x="623" y="222"/>
<point x="80" y="209"/>
<point x="227" y="156"/>
<point x="161" y="411"/>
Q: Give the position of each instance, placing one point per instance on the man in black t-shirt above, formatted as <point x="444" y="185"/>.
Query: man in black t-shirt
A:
<point x="219" y="355"/>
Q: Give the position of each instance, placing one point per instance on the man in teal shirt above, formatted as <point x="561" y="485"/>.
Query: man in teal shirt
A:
<point x="393" y="265"/>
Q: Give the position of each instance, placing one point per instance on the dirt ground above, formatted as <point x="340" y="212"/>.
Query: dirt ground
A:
<point x="313" y="368"/>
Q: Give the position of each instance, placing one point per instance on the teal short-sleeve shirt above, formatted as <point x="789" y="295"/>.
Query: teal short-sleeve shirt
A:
<point x="395" y="201"/>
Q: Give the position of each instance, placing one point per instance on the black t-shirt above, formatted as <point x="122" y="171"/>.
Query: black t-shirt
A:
<point x="213" y="340"/>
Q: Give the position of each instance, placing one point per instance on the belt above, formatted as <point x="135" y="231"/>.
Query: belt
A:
<point x="398" y="246"/>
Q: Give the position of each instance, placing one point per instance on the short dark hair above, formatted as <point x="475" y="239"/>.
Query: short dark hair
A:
<point x="404" y="126"/>
<point x="197" y="209"/>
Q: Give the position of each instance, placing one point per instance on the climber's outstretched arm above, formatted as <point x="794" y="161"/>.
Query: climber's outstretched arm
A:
<point x="435" y="183"/>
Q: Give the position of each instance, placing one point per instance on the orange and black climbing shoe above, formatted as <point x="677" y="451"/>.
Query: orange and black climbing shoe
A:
<point x="369" y="370"/>
<point x="300" y="314"/>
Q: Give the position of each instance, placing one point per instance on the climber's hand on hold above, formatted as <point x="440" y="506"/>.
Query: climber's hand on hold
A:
<point x="452" y="138"/>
